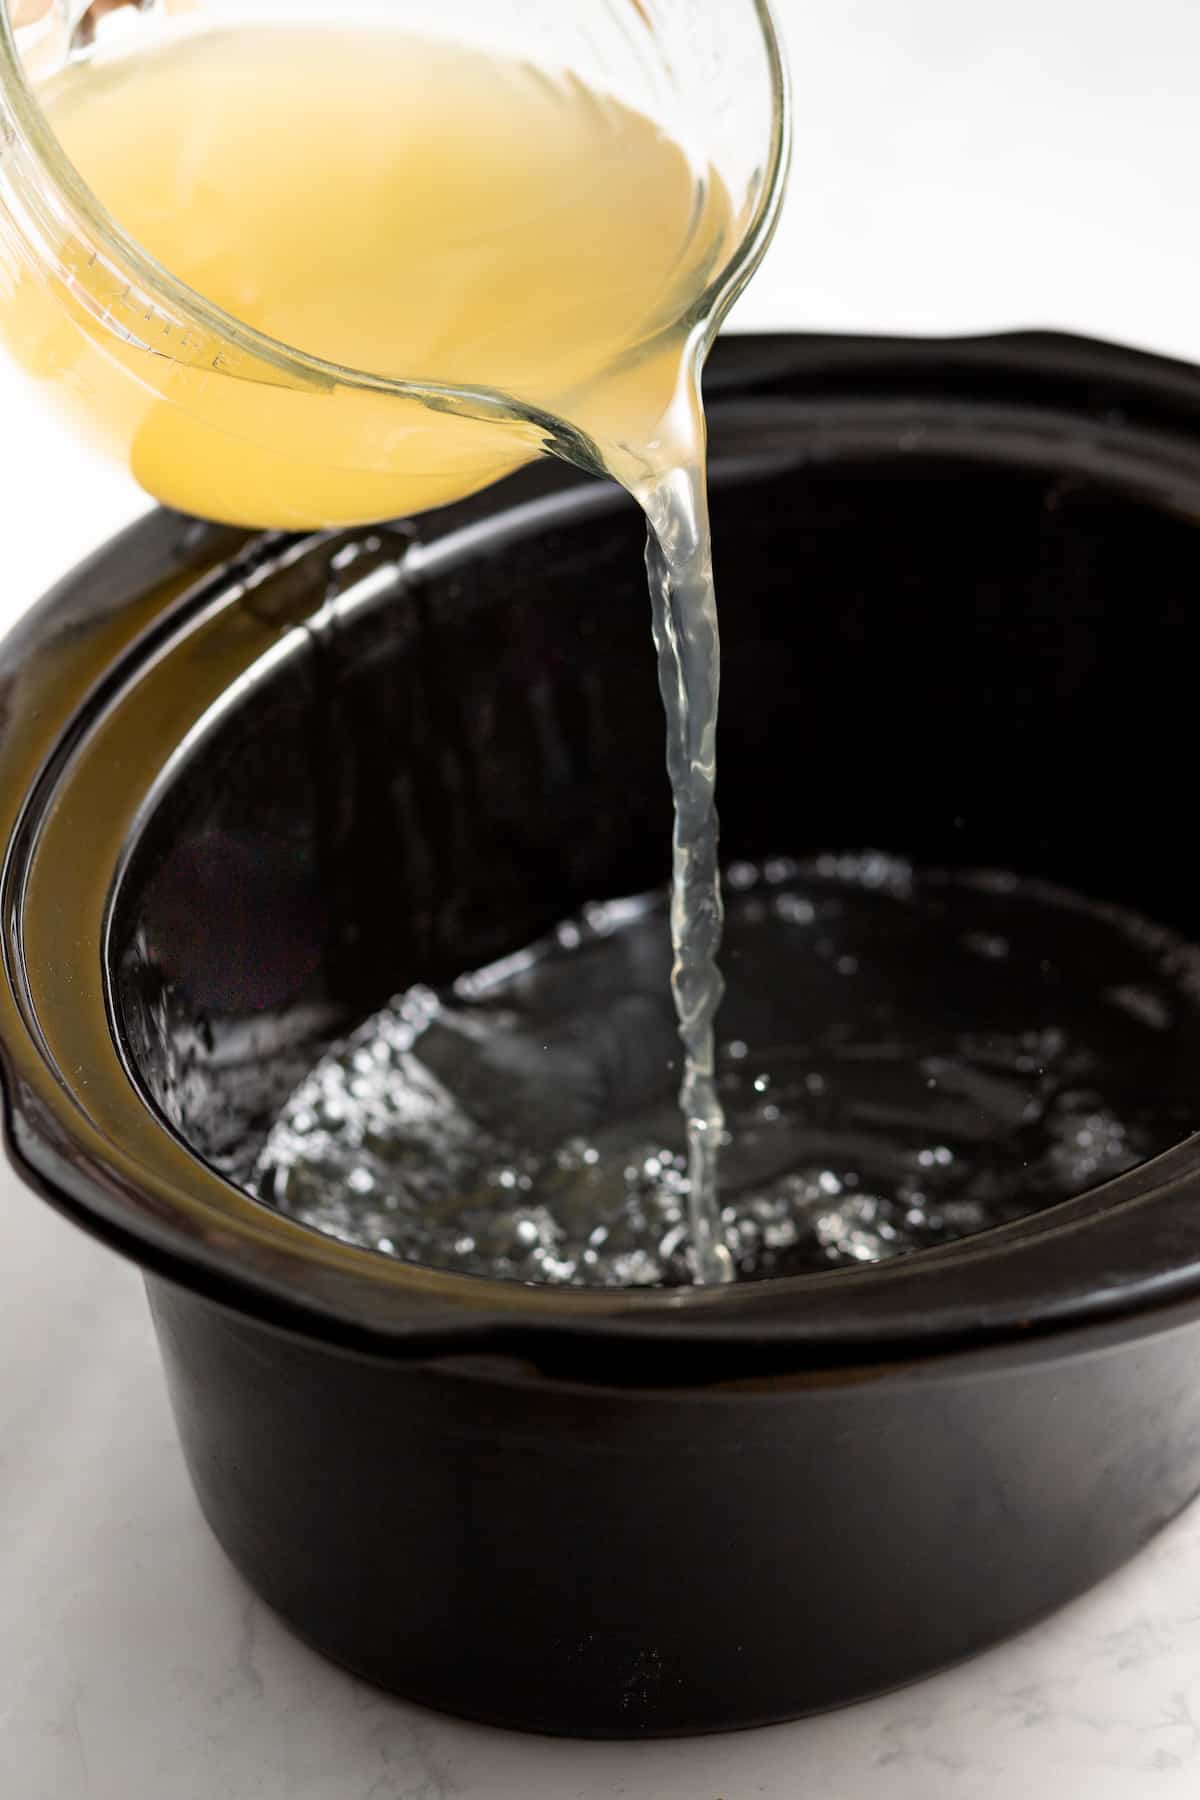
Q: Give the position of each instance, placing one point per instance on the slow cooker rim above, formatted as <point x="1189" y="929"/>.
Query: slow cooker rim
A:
<point x="51" y="1149"/>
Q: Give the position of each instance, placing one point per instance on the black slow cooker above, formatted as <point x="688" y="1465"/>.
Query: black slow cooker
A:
<point x="253" y="785"/>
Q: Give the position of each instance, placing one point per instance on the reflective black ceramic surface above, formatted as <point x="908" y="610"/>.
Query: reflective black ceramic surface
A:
<point x="250" y="787"/>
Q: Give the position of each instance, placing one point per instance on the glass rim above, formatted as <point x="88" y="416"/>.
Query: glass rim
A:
<point x="18" y="97"/>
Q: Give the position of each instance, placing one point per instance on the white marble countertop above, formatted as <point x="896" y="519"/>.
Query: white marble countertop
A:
<point x="959" y="167"/>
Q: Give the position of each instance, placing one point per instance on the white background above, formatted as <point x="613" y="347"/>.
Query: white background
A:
<point x="960" y="165"/>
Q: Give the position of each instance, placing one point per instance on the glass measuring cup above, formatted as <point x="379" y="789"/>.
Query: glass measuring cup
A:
<point x="169" y="382"/>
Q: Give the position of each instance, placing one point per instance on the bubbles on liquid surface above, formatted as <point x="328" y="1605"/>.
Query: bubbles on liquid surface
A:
<point x="906" y="1058"/>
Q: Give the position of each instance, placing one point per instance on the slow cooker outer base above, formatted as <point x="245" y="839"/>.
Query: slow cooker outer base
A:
<point x="605" y="1563"/>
